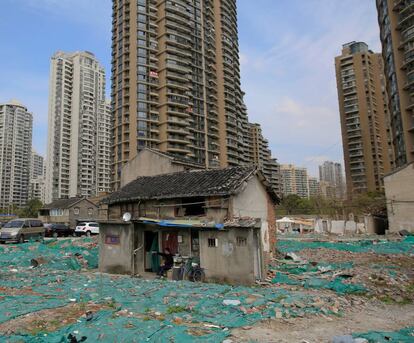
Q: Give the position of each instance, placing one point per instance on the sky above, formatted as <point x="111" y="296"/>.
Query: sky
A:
<point x="287" y="51"/>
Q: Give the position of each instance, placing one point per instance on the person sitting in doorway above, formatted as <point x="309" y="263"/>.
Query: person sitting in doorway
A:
<point x="168" y="261"/>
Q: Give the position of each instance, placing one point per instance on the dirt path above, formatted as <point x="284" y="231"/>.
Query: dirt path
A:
<point x="319" y="329"/>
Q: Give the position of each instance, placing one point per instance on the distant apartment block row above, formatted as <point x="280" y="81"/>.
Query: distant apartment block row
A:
<point x="296" y="180"/>
<point x="175" y="87"/>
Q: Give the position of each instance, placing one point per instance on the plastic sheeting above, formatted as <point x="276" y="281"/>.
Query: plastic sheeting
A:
<point x="405" y="335"/>
<point x="383" y="246"/>
<point x="136" y="310"/>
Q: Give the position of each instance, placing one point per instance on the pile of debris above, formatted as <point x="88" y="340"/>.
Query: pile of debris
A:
<point x="388" y="277"/>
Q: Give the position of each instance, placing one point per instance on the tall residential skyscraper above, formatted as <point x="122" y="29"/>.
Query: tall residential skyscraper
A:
<point x="396" y="22"/>
<point x="331" y="173"/>
<point x="15" y="154"/>
<point x="37" y="177"/>
<point x="362" y="105"/>
<point x="176" y="81"/>
<point x="295" y="180"/>
<point x="259" y="154"/>
<point x="78" y="157"/>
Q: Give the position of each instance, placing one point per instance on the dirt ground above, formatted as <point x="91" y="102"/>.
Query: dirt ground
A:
<point x="386" y="305"/>
<point x="372" y="316"/>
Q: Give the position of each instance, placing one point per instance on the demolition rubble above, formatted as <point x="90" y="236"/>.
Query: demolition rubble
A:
<point x="52" y="292"/>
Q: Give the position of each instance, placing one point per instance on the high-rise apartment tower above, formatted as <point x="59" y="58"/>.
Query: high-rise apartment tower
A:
<point x="78" y="154"/>
<point x="259" y="154"/>
<point x="331" y="173"/>
<point x="15" y="154"/>
<point x="396" y="20"/>
<point x="363" y="111"/>
<point x="176" y="81"/>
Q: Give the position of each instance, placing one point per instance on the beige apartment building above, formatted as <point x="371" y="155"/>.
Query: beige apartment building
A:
<point x="79" y="128"/>
<point x="16" y="126"/>
<point x="294" y="180"/>
<point x="176" y="82"/>
<point x="396" y="20"/>
<point x="363" y="112"/>
<point x="259" y="154"/>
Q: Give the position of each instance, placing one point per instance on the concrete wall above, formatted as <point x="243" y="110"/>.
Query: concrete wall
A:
<point x="148" y="163"/>
<point x="116" y="258"/>
<point x="399" y="192"/>
<point x="252" y="201"/>
<point x="228" y="262"/>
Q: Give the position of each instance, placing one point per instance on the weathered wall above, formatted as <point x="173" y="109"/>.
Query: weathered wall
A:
<point x="252" y="201"/>
<point x="116" y="258"/>
<point x="148" y="163"/>
<point x="87" y="211"/>
<point x="228" y="262"/>
<point x="399" y="192"/>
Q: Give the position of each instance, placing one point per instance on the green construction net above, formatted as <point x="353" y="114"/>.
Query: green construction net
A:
<point x="135" y="309"/>
<point x="382" y="246"/>
<point x="306" y="275"/>
<point x="403" y="336"/>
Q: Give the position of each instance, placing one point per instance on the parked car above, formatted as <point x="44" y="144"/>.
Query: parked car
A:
<point x="58" y="230"/>
<point x="87" y="228"/>
<point x="19" y="230"/>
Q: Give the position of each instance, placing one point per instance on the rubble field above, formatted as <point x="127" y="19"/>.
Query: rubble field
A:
<point x="317" y="288"/>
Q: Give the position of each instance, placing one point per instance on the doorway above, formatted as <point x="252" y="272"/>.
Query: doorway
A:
<point x="151" y="261"/>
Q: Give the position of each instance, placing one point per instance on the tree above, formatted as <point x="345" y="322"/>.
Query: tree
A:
<point x="291" y="203"/>
<point x="31" y="209"/>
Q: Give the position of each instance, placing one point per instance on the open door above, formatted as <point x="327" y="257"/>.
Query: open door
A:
<point x="152" y="261"/>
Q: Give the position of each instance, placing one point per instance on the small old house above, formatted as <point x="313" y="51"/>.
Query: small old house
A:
<point x="69" y="211"/>
<point x="225" y="218"/>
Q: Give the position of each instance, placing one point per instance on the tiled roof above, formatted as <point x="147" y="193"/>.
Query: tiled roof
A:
<point x="193" y="183"/>
<point x="64" y="203"/>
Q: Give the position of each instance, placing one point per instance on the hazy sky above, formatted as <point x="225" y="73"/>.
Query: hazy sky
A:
<point x="287" y="53"/>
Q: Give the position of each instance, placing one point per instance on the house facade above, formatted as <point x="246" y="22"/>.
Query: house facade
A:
<point x="69" y="211"/>
<point x="222" y="218"/>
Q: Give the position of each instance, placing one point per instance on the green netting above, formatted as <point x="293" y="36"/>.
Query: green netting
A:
<point x="161" y="311"/>
<point x="61" y="255"/>
<point x="337" y="284"/>
<point x="403" y="336"/>
<point x="383" y="246"/>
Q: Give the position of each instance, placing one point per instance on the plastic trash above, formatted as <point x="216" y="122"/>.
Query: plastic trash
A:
<point x="231" y="302"/>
